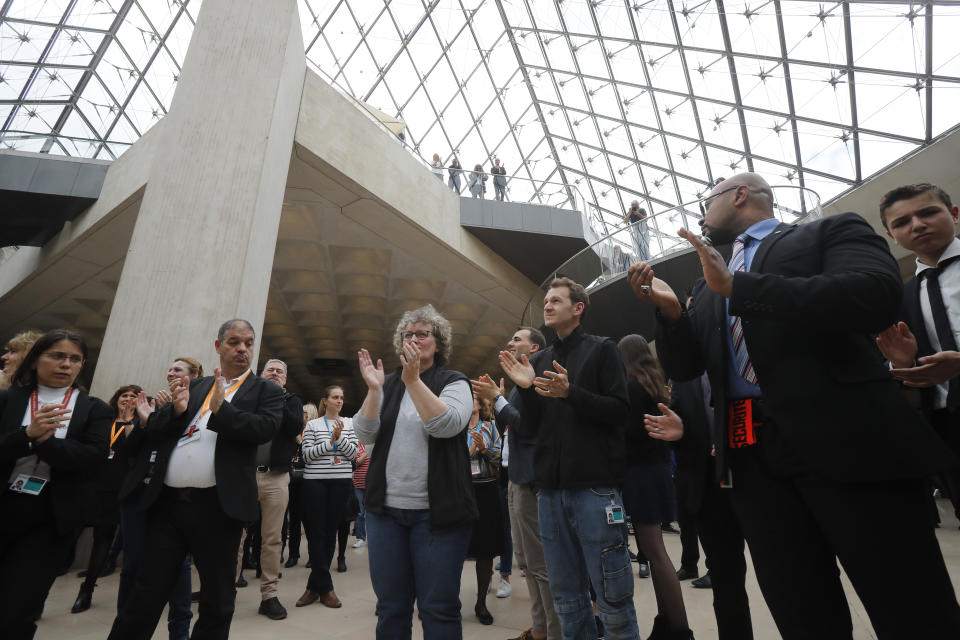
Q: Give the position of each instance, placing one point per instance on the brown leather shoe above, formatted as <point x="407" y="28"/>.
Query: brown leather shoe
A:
<point x="526" y="635"/>
<point x="329" y="599"/>
<point x="308" y="597"/>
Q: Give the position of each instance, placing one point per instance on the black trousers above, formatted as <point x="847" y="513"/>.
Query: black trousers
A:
<point x="723" y="545"/>
<point x="32" y="554"/>
<point x="184" y="521"/>
<point x="799" y="526"/>
<point x="687" y="519"/>
<point x="947" y="426"/>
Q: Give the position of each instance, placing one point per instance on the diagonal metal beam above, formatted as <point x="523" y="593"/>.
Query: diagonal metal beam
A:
<point x="928" y="68"/>
<point x="735" y="82"/>
<point x="789" y="82"/>
<point x="847" y="34"/>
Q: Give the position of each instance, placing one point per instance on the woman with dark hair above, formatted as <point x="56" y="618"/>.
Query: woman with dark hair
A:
<point x="105" y="516"/>
<point x="295" y="505"/>
<point x="329" y="446"/>
<point x="420" y="501"/>
<point x="53" y="438"/>
<point x="487" y="540"/>
<point x="648" y="494"/>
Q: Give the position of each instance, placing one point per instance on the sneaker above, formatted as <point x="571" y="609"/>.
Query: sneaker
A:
<point x="272" y="608"/>
<point x="504" y="590"/>
<point x="644" y="570"/>
<point x="359" y="543"/>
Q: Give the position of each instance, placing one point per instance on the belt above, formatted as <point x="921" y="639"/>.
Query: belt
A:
<point x="189" y="494"/>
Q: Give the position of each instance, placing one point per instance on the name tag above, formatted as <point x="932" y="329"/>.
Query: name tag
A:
<point x="742" y="429"/>
<point x="614" y="514"/>
<point x="31" y="485"/>
<point x="474" y="466"/>
<point x="192" y="434"/>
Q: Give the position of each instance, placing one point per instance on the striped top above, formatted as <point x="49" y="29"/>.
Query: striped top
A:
<point x="326" y="460"/>
<point x="360" y="473"/>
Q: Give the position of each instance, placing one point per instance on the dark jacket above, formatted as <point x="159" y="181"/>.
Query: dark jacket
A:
<point x="641" y="448"/>
<point x="810" y="305"/>
<point x="581" y="438"/>
<point x="251" y="418"/>
<point x="522" y="448"/>
<point x="449" y="486"/>
<point x="284" y="445"/>
<point x="74" y="460"/>
<point x="692" y="451"/>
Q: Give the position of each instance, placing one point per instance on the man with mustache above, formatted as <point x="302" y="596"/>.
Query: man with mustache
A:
<point x="204" y="486"/>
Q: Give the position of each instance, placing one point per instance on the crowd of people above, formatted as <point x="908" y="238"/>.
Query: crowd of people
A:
<point x="476" y="180"/>
<point x="781" y="386"/>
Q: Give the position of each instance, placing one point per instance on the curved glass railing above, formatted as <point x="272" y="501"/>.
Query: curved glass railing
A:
<point x="655" y="239"/>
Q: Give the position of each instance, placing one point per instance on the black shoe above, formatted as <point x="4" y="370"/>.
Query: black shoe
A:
<point x="292" y="562"/>
<point x="703" y="583"/>
<point x="341" y="565"/>
<point x="241" y="582"/>
<point x="667" y="527"/>
<point x="249" y="564"/>
<point x="644" y="570"/>
<point x="483" y="614"/>
<point x="82" y="574"/>
<point x="195" y="596"/>
<point x="686" y="574"/>
<point x="272" y="608"/>
<point x="83" y="599"/>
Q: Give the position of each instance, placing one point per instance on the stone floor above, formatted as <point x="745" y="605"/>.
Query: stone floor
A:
<point x="356" y="618"/>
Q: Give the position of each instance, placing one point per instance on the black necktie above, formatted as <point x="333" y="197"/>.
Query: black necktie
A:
<point x="942" y="324"/>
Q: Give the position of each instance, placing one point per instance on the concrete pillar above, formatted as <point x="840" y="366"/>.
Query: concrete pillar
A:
<point x="202" y="248"/>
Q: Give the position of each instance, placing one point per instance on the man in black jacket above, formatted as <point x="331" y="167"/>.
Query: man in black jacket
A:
<point x="273" y="490"/>
<point x="573" y="400"/>
<point x="821" y="443"/>
<point x="203" y="486"/>
<point x="522" y="496"/>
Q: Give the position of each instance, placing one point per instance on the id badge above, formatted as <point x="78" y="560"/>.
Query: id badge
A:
<point x="474" y="467"/>
<point x="614" y="514"/>
<point x="190" y="435"/>
<point x="31" y="485"/>
<point x="111" y="454"/>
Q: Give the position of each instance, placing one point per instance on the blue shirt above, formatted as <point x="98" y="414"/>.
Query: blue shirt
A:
<point x="737" y="387"/>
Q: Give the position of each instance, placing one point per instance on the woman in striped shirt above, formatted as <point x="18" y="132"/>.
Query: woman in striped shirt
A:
<point x="329" y="445"/>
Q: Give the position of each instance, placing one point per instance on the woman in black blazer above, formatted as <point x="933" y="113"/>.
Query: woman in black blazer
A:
<point x="53" y="438"/>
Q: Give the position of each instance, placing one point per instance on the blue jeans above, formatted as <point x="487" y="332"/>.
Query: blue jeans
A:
<point x="581" y="550"/>
<point x="410" y="561"/>
<point x="361" y="525"/>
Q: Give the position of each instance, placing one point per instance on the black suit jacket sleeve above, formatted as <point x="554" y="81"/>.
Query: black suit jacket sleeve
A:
<point x="87" y="451"/>
<point x="679" y="349"/>
<point x="248" y="426"/>
<point x="858" y="288"/>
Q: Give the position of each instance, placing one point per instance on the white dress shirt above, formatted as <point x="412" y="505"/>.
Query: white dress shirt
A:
<point x="192" y="464"/>
<point x="950" y="288"/>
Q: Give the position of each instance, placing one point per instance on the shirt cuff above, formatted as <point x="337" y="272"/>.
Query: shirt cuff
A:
<point x="499" y="404"/>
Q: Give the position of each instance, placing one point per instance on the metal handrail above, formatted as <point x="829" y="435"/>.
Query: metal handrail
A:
<point x="648" y="241"/>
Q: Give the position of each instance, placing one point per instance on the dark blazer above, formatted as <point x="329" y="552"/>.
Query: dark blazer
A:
<point x="74" y="460"/>
<point x="251" y="418"/>
<point x="692" y="451"/>
<point x="912" y="314"/>
<point x="284" y="444"/>
<point x="521" y="448"/>
<point x="810" y="305"/>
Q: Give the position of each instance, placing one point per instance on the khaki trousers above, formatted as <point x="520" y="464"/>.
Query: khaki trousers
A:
<point x="273" y="491"/>
<point x="522" y="503"/>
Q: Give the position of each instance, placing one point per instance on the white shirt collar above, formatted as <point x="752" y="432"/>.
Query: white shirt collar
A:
<point x="953" y="249"/>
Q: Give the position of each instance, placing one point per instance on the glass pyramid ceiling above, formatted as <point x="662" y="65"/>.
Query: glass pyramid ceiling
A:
<point x="623" y="99"/>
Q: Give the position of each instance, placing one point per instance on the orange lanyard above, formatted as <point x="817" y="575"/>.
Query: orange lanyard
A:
<point x="115" y="433"/>
<point x="233" y="388"/>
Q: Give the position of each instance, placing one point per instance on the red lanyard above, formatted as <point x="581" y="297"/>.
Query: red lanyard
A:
<point x="35" y="401"/>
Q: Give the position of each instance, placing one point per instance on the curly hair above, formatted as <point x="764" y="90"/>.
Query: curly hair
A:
<point x="442" y="331"/>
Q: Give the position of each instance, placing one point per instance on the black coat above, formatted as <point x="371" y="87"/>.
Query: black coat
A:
<point x="284" y="445"/>
<point x="74" y="460"/>
<point x="692" y="451"/>
<point x="810" y="305"/>
<point x="251" y="418"/>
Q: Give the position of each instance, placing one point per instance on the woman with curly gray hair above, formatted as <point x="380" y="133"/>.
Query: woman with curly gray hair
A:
<point x="419" y="516"/>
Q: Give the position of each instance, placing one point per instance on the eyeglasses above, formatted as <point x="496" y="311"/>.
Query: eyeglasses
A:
<point x="60" y="356"/>
<point x="704" y="203"/>
<point x="419" y="335"/>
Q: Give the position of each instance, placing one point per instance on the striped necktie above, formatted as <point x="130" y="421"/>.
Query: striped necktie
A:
<point x="744" y="366"/>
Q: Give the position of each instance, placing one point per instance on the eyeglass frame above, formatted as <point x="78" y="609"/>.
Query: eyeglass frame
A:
<point x="703" y="209"/>
<point x="407" y="336"/>
<point x="60" y="356"/>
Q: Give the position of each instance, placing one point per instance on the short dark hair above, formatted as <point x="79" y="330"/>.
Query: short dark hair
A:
<point x="232" y="324"/>
<point x="115" y="399"/>
<point x="577" y="292"/>
<point x="536" y="337"/>
<point x="907" y="191"/>
<point x="26" y="375"/>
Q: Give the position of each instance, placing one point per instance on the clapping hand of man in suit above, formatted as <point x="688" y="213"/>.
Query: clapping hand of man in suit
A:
<point x="899" y="346"/>
<point x="485" y="388"/>
<point x="520" y="371"/>
<point x="216" y="398"/>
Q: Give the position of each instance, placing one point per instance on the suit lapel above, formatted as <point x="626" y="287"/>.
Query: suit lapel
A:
<point x="248" y="384"/>
<point x="196" y="398"/>
<point x="18" y="400"/>
<point x="79" y="415"/>
<point x="772" y="238"/>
